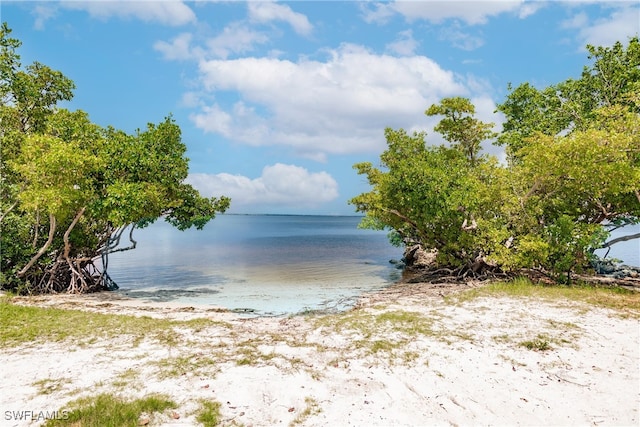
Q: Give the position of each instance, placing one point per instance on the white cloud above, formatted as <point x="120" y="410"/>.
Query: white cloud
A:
<point x="461" y="39"/>
<point x="317" y="108"/>
<point x="376" y="12"/>
<point x="622" y="23"/>
<point x="471" y="12"/>
<point x="235" y="38"/>
<point x="178" y="49"/>
<point x="190" y="100"/>
<point x="213" y="119"/>
<point x="529" y="8"/>
<point x="173" y="13"/>
<point x="405" y="45"/>
<point x="279" y="184"/>
<point x="578" y="20"/>
<point x="43" y="12"/>
<point x="266" y="11"/>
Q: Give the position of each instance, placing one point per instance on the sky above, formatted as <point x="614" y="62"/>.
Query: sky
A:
<point x="278" y="100"/>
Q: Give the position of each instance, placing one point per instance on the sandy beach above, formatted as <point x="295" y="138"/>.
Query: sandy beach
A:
<point x="399" y="359"/>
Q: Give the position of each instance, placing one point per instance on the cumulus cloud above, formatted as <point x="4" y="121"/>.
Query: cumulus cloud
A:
<point x="621" y="24"/>
<point x="173" y="13"/>
<point x="461" y="39"/>
<point x="235" y="38"/>
<point x="336" y="106"/>
<point x="376" y="12"/>
<point x="405" y="45"/>
<point x="178" y="49"/>
<point x="578" y="20"/>
<point x="471" y="12"/>
<point x="266" y="11"/>
<point x="279" y="184"/>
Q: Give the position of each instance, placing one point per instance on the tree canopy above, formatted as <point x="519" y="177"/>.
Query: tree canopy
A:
<point x="70" y="188"/>
<point x="572" y="174"/>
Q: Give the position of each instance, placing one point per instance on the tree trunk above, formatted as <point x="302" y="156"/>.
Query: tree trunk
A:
<point x="77" y="283"/>
<point x="43" y="249"/>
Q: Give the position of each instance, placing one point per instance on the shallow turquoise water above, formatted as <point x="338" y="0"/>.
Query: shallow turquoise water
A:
<point x="269" y="264"/>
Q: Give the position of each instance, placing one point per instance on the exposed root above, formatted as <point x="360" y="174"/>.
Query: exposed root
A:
<point x="72" y="275"/>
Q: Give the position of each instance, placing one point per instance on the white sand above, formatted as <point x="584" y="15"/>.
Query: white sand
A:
<point x="466" y="368"/>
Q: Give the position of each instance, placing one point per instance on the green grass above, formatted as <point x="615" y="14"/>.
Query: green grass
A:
<point x="51" y="385"/>
<point x="368" y="324"/>
<point x="126" y="379"/>
<point x="25" y="324"/>
<point x="390" y="334"/>
<point x="106" y="410"/>
<point x="626" y="302"/>
<point x="540" y="343"/>
<point x="194" y="364"/>
<point x="209" y="413"/>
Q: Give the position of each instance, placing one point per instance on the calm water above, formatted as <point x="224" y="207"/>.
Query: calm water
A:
<point x="627" y="252"/>
<point x="270" y="264"/>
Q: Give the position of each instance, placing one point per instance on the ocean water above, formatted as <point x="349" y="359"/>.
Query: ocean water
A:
<point x="258" y="264"/>
<point x="270" y="264"/>
<point x="628" y="252"/>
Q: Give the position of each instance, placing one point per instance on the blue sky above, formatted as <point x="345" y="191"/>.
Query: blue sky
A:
<point x="277" y="100"/>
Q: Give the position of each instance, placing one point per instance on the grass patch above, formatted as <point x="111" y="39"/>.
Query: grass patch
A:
<point x="126" y="379"/>
<point x="51" y="385"/>
<point x="195" y="364"/>
<point x="540" y="343"/>
<point x="24" y="324"/>
<point x="208" y="414"/>
<point x="109" y="410"/>
<point x="388" y="322"/>
<point x="625" y="301"/>
<point x="312" y="408"/>
<point x="390" y="333"/>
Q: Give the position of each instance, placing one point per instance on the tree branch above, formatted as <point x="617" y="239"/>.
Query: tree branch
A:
<point x="112" y="244"/>
<point x="112" y="249"/>
<point x="43" y="249"/>
<point x="473" y="225"/>
<point x="36" y="228"/>
<point x="8" y="210"/>
<point x="67" y="250"/>
<point x="621" y="239"/>
<point x="404" y="218"/>
<point x="113" y="240"/>
<point x="65" y="237"/>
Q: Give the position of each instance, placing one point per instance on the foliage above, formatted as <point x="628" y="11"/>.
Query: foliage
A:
<point x="109" y="410"/>
<point x="429" y="194"/>
<point x="572" y="175"/>
<point x="540" y="343"/>
<point x="70" y="187"/>
<point x="613" y="80"/>
<point x="209" y="413"/>
<point x="459" y="127"/>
